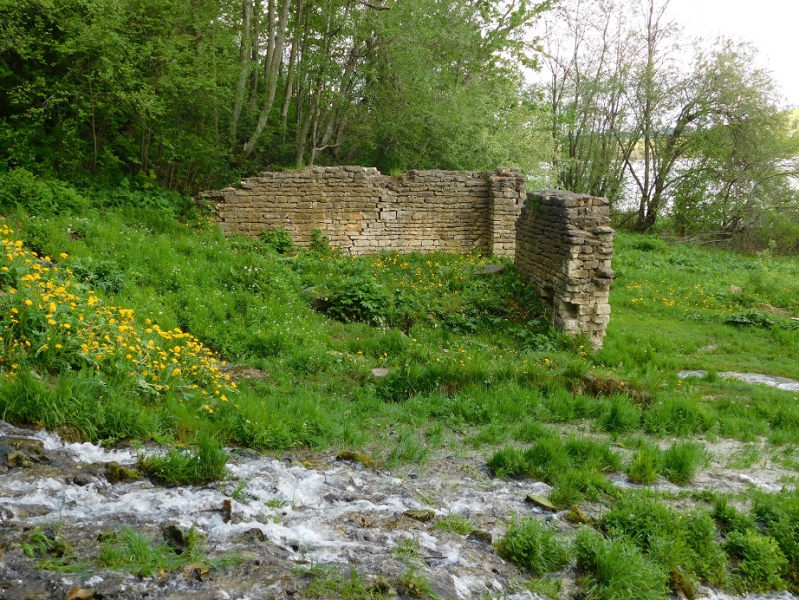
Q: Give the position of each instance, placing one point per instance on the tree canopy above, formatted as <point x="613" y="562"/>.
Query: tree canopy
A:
<point x="189" y="93"/>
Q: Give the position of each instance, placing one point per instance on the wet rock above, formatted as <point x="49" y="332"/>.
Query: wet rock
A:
<point x="541" y="502"/>
<point x="227" y="510"/>
<point x="196" y="572"/>
<point x="380" y="372"/>
<point x="176" y="539"/>
<point x="356" y="457"/>
<point x="254" y="534"/>
<point x="115" y="473"/>
<point x="481" y="536"/>
<point x="17" y="452"/>
<point x="490" y="270"/>
<point x="680" y="585"/>
<point x="577" y="516"/>
<point x="5" y="514"/>
<point x="423" y="515"/>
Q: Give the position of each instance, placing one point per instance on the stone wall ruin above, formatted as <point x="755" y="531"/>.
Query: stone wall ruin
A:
<point x="564" y="244"/>
<point x="363" y="211"/>
<point x="561" y="241"/>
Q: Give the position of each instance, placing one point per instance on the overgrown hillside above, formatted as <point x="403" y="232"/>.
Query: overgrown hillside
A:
<point x="140" y="322"/>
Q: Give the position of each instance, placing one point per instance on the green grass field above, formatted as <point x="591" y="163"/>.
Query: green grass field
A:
<point x="125" y="324"/>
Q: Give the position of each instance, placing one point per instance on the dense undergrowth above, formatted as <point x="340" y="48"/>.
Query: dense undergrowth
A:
<point x="132" y="320"/>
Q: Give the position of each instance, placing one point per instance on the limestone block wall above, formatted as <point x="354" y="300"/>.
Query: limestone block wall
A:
<point x="564" y="244"/>
<point x="363" y="211"/>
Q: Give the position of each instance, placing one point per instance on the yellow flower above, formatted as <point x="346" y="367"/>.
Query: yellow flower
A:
<point x="28" y="302"/>
<point x="175" y="372"/>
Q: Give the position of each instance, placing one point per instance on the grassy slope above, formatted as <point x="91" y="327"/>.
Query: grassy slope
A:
<point x="473" y="365"/>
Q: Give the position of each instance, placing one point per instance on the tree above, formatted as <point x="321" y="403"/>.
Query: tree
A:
<point x="633" y="103"/>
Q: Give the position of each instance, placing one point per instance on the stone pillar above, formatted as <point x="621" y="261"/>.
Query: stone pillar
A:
<point x="564" y="244"/>
<point x="506" y="194"/>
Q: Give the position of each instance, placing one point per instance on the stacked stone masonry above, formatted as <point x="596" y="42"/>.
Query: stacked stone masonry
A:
<point x="560" y="240"/>
<point x="363" y="211"/>
<point x="564" y="245"/>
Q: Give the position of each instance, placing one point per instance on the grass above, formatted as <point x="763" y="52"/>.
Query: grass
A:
<point x="111" y="343"/>
<point x="205" y="463"/>
<point x="575" y="467"/>
<point x="125" y="549"/>
<point x="616" y="570"/>
<point x="534" y="547"/>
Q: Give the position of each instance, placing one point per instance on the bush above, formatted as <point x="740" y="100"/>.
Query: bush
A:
<point x="533" y="546"/>
<point x="357" y="298"/>
<point x="278" y="239"/>
<point x="682" y="542"/>
<point x="780" y="515"/>
<point x="38" y="196"/>
<point x="760" y="563"/>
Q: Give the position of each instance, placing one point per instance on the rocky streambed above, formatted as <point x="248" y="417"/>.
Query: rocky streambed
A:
<point x="285" y="524"/>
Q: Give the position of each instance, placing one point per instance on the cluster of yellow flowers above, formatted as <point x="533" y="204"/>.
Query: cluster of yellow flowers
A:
<point x="51" y="319"/>
<point x="648" y="294"/>
<point x="425" y="276"/>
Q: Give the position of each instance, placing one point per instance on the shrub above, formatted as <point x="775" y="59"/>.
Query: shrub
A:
<point x="533" y="546"/>
<point x="759" y="564"/>
<point x="319" y="242"/>
<point x="685" y="542"/>
<point x="357" y="298"/>
<point x="278" y="239"/>
<point x="780" y="515"/>
<point x="38" y="196"/>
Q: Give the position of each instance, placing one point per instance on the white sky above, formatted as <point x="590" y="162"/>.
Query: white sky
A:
<point x="772" y="26"/>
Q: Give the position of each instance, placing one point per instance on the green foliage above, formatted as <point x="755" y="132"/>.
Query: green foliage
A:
<point x="104" y="275"/>
<point x="278" y="239"/>
<point x="454" y="523"/>
<point x="759" y="562"/>
<point x="682" y="541"/>
<point x="135" y="552"/>
<point x="681" y="460"/>
<point x="357" y="298"/>
<point x="48" y="544"/>
<point x="616" y="570"/>
<point x="621" y="415"/>
<point x="575" y="468"/>
<point x="751" y="318"/>
<point x="21" y="189"/>
<point x="328" y="582"/>
<point x="532" y="545"/>
<point x="206" y="463"/>
<point x="319" y="242"/>
<point x="645" y="465"/>
<point x="780" y="515"/>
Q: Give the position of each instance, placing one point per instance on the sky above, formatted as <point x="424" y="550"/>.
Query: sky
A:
<point x="772" y="26"/>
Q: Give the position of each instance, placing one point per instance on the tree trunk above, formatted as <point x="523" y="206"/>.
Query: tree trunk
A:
<point x="277" y="36"/>
<point x="244" y="68"/>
